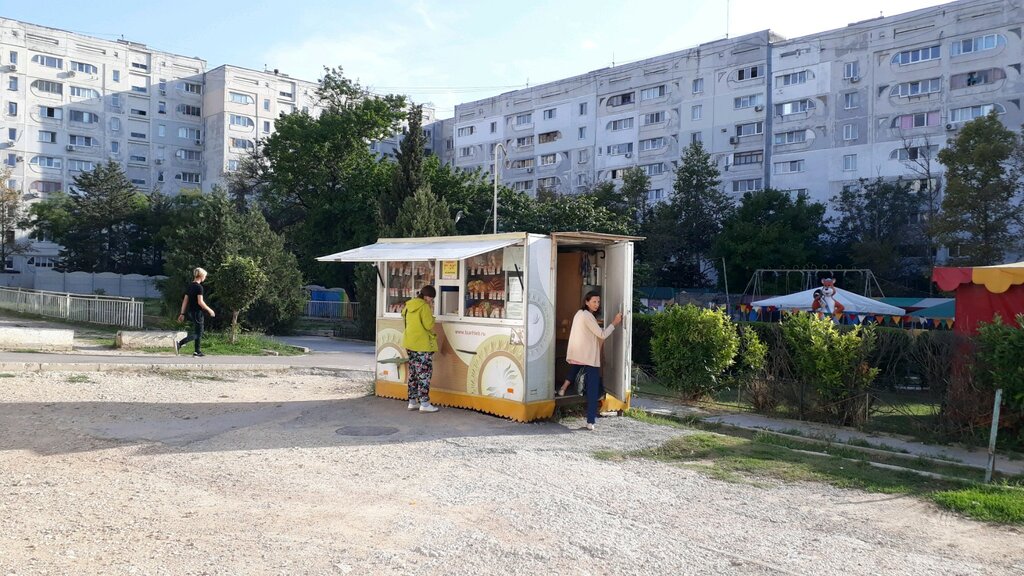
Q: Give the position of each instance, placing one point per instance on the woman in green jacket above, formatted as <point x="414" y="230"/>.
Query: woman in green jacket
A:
<point x="421" y="343"/>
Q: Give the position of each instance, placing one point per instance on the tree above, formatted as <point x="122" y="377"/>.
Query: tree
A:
<point x="770" y="229"/>
<point x="633" y="194"/>
<point x="424" y="215"/>
<point x="245" y="281"/>
<point x="408" y="175"/>
<point x="981" y="211"/>
<point x="876" y="228"/>
<point x="12" y="218"/>
<point x="922" y="160"/>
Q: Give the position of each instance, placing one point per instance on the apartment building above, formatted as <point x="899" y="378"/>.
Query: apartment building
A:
<point x="814" y="113"/>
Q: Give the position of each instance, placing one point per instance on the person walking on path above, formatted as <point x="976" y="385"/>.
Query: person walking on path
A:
<point x="421" y="343"/>
<point x="192" y="307"/>
<point x="584" y="352"/>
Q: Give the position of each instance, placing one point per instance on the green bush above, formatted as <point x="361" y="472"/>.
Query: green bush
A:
<point x="692" y="348"/>
<point x="833" y="363"/>
<point x="643" y="331"/>
<point x="1000" y="364"/>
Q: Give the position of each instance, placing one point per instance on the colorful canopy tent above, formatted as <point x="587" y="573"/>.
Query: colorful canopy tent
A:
<point x="852" y="303"/>
<point x="982" y="292"/>
<point x="946" y="310"/>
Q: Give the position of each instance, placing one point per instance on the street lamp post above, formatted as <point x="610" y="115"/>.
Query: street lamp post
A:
<point x="497" y="174"/>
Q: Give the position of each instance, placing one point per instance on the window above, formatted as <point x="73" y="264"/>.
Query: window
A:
<point x="137" y="112"/>
<point x="46" y="161"/>
<point x="522" y="163"/>
<point x="622" y="124"/>
<point x="48" y="61"/>
<point x="86" y="93"/>
<point x="524" y="141"/>
<point x="748" y="185"/>
<point x="161" y="130"/>
<point x="140" y="66"/>
<point x="12" y="159"/>
<point x="136" y="158"/>
<point x="792" y="78"/>
<point x="47" y="136"/>
<point x="466" y="131"/>
<point x="698" y="85"/>
<point x="621" y="99"/>
<point x="116" y="75"/>
<point x="695" y="112"/>
<point x="239" y="98"/>
<point x="750" y="72"/>
<point x="522" y="185"/>
<point x="744" y="158"/>
<point x="189" y="133"/>
<point x="240" y="121"/>
<point x="139" y="181"/>
<point x="137" y="135"/>
<point x="139" y="89"/>
<point x="914" y="153"/>
<point x="189" y="177"/>
<point x="51" y="112"/>
<point x="189" y="155"/>
<point x="789" y="167"/>
<point x="115" y="101"/>
<point x="656" y="195"/>
<point x="232" y="165"/>
<point x="851" y="70"/>
<point x="917" y="55"/>
<point x="583" y="156"/>
<point x="794" y="107"/>
<point x="652" y="93"/>
<point x="696" y="137"/>
<point x="750" y="129"/>
<point x="746" y="101"/>
<point x="83" y="68"/>
<point x="977" y="44"/>
<point x="494" y="128"/>
<point x="968" y="113"/>
<point x="163" y="85"/>
<point x="12" y="133"/>
<point x="581" y="179"/>
<point x="652" y="143"/>
<point x="792" y="137"/>
<point x="548" y="137"/>
<point x="583" y="108"/>
<point x="465" y="151"/>
<point x="851" y="100"/>
<point x="12" y="83"/>
<point x="12" y="108"/>
<point x="189" y="110"/>
<point x="916" y="88"/>
<point x="266" y="126"/>
<point x="550" y="182"/>
<point x="549" y="114"/>
<point x="653" y="118"/>
<point x="850" y="131"/>
<point x="849" y="162"/>
<point x="547" y="159"/>
<point x="266" y="103"/>
<point x="916" y="120"/>
<point x="976" y="78"/>
<point x="523" y="119"/>
<point x="581" y="132"/>
<point x="115" y="147"/>
<point x="653" y="169"/>
<point x="83" y="117"/>
<point x="48" y="87"/>
<point x="115" y="124"/>
<point x="161" y="107"/>
<point x="13" y="57"/>
<point x="192" y="87"/>
<point x="618" y="149"/>
<point x="242" y="143"/>
<point x="78" y="140"/>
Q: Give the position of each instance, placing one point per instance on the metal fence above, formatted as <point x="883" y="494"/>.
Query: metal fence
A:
<point x="331" y="310"/>
<point x="111" y="310"/>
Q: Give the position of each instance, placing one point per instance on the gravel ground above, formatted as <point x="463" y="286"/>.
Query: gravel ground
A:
<point x="120" y="473"/>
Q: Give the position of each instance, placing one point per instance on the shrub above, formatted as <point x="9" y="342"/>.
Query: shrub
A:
<point x="833" y="363"/>
<point x="1000" y="365"/>
<point x="692" y="348"/>
<point x="643" y="331"/>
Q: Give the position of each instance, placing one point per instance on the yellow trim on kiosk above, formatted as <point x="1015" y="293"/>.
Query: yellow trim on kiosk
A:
<point x="517" y="411"/>
<point x="613" y="404"/>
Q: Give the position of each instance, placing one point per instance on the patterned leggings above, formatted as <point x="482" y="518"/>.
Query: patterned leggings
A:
<point x="421" y="368"/>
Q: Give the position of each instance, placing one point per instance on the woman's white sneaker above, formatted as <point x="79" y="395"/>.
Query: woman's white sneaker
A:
<point x="414" y="405"/>
<point x="428" y="407"/>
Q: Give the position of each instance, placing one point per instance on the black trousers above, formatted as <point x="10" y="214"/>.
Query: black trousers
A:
<point x="197" y="319"/>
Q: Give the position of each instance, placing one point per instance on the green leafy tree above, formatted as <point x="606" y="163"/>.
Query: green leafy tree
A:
<point x="424" y="215"/>
<point x="244" y="281"/>
<point x="981" y="209"/>
<point x="12" y="219"/>
<point x="693" y="347"/>
<point x="408" y="175"/>
<point x="770" y="229"/>
<point x="635" y="185"/>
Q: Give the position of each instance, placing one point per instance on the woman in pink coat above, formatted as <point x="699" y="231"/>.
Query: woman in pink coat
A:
<point x="584" y="352"/>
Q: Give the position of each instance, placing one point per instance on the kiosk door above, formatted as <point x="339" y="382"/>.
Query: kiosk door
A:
<point x="618" y="297"/>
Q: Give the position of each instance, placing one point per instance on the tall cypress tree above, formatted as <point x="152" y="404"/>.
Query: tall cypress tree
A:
<point x="408" y="175"/>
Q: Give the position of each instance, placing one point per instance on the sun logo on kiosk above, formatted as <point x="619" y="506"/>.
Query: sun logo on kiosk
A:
<point x="497" y="369"/>
<point x="389" y="349"/>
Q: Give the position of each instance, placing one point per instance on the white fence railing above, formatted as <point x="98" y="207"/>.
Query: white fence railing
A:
<point x="112" y="310"/>
<point x="331" y="310"/>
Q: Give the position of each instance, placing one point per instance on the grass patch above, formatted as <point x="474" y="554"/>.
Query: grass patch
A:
<point x="248" y="344"/>
<point x="1004" y="504"/>
<point x="7" y="375"/>
<point x="79" y="379"/>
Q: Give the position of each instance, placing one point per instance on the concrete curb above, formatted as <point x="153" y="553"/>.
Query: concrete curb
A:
<point x="350" y="373"/>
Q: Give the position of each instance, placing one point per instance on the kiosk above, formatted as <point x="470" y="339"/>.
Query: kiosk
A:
<point x="504" y="307"/>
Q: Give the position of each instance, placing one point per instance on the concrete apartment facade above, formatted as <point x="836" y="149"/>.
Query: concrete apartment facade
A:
<point x="813" y="114"/>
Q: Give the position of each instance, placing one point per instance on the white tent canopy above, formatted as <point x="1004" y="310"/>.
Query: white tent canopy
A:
<point x="852" y="303"/>
<point x="420" y="250"/>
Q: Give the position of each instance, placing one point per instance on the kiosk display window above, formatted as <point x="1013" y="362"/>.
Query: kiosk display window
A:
<point x="494" y="284"/>
<point x="404" y="279"/>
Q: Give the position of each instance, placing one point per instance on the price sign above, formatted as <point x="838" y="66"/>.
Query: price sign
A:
<point x="449" y="269"/>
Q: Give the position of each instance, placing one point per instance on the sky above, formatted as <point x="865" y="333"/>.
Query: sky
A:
<point x="441" y="51"/>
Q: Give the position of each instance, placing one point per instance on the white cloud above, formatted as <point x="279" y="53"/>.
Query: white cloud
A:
<point x="588" y="44"/>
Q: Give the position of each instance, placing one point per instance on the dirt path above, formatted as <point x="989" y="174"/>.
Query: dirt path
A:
<point x="114" y="473"/>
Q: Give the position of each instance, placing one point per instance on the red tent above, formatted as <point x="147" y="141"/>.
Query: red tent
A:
<point x="982" y="292"/>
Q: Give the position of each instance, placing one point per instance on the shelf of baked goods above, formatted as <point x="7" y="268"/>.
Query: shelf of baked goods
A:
<point x="485" y="309"/>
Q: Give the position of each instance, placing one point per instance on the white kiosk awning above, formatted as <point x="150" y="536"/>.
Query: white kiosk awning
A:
<point x="419" y="251"/>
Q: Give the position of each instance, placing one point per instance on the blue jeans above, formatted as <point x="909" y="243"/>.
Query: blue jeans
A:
<point x="591" y="387"/>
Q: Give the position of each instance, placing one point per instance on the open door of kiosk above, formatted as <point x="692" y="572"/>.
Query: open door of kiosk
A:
<point x="618" y="297"/>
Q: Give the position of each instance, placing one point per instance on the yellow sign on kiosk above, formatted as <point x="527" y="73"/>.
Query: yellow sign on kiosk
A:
<point x="449" y="269"/>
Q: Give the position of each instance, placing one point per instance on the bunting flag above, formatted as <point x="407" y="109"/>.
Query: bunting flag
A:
<point x="949" y="323"/>
<point x="895" y="320"/>
<point x="855" y="318"/>
<point x="879" y="319"/>
<point x="753" y="315"/>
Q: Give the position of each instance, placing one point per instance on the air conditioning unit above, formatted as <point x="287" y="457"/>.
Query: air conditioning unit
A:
<point x="629" y="154"/>
<point x="759" y="108"/>
<point x="70" y="148"/>
<point x="163" y="92"/>
<point x="951" y="126"/>
<point x="734" y="140"/>
<point x="158" y="161"/>
<point x="10" y="143"/>
<point x="854" y="79"/>
<point x="19" y="159"/>
<point x="12" y="67"/>
<point x="529" y="170"/>
<point x="71" y="73"/>
<point x="199" y="142"/>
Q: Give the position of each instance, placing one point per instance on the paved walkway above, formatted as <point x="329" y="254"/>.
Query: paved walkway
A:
<point x="977" y="458"/>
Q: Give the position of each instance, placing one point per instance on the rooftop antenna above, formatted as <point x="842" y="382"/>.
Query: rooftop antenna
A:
<point x="613" y="59"/>
<point x="727" y="2"/>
